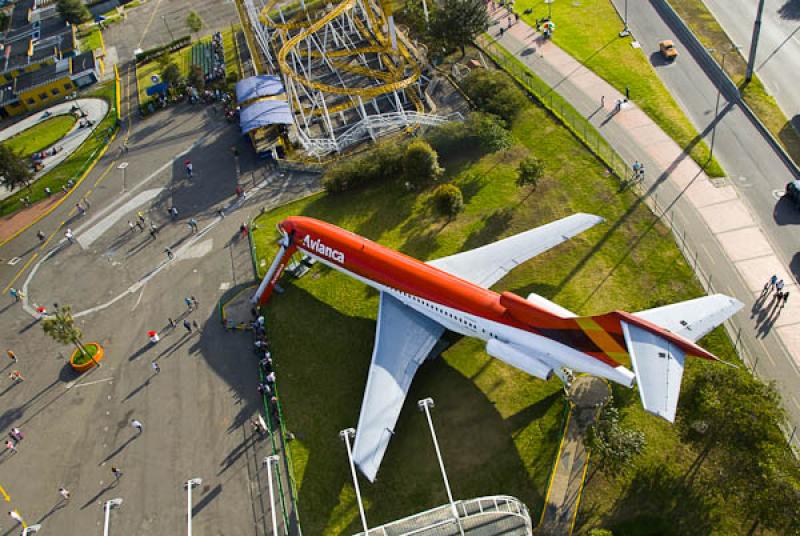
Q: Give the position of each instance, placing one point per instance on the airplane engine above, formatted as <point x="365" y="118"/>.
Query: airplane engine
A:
<point x="518" y="359"/>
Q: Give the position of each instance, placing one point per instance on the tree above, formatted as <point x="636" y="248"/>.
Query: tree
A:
<point x="529" y="171"/>
<point x="14" y="171"/>
<point x="613" y="445"/>
<point x="194" y="22"/>
<point x="456" y="23"/>
<point x="61" y="327"/>
<point x="73" y="11"/>
<point x="196" y="78"/>
<point x="494" y="92"/>
<point x="421" y="163"/>
<point x="171" y="74"/>
<point x="448" y="200"/>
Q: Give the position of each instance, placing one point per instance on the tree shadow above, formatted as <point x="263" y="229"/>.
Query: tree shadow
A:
<point x="497" y="223"/>
<point x="790" y="10"/>
<point x="790" y="136"/>
<point x="786" y="211"/>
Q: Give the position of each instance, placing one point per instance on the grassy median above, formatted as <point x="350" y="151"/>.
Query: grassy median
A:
<point x="41" y="135"/>
<point x="499" y="428"/>
<point x="588" y="31"/>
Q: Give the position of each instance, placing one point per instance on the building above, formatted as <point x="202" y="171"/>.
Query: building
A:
<point x="40" y="60"/>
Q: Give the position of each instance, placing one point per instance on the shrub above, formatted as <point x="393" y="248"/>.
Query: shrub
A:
<point x="529" y="171"/>
<point x="171" y="74"/>
<point x="494" y="92"/>
<point x="421" y="163"/>
<point x="382" y="162"/>
<point x="196" y="78"/>
<point x="480" y="133"/>
<point x="448" y="200"/>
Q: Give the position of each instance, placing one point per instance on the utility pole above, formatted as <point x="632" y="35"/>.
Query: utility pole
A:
<point x="751" y="60"/>
<point x="164" y="19"/>
<point x="625" y="31"/>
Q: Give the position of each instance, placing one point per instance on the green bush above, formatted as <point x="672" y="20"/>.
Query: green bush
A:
<point x="600" y="532"/>
<point x="529" y="171"/>
<point x="421" y="163"/>
<point x="494" y="92"/>
<point x="448" y="200"/>
<point x="382" y="162"/>
<point x="480" y="133"/>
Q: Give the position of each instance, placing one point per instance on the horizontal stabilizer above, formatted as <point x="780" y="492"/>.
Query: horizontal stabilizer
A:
<point x="694" y="318"/>
<point x="658" y="365"/>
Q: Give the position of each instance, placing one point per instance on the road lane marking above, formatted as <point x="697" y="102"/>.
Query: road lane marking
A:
<point x="87" y="238"/>
<point x="76" y="385"/>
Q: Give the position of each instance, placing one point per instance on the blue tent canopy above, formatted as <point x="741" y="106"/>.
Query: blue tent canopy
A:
<point x="157" y="88"/>
<point x="265" y="85"/>
<point x="265" y="113"/>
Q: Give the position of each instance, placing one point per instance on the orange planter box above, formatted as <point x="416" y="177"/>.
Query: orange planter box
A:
<point x="83" y="367"/>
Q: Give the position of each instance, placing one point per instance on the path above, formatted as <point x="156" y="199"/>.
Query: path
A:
<point x="586" y="394"/>
<point x="95" y="110"/>
<point x="727" y="242"/>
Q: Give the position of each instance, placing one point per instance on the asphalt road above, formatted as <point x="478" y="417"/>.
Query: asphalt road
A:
<point x="196" y="410"/>
<point x="778" y="53"/>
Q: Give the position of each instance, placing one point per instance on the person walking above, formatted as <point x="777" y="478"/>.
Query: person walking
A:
<point x="170" y="254"/>
<point x="171" y="323"/>
<point x="16" y="294"/>
<point x="137" y="425"/>
<point x="140" y="216"/>
<point x="193" y="225"/>
<point x="16" y="434"/>
<point x="11" y="355"/>
<point x="189" y="168"/>
<point x="131" y="226"/>
<point x="173" y="212"/>
<point x="116" y="472"/>
<point x="187" y="325"/>
<point x="70" y="236"/>
<point x="10" y="446"/>
<point x="81" y="210"/>
<point x="189" y="303"/>
<point x="13" y="514"/>
<point x="64" y="492"/>
<point x="156" y="367"/>
<point x="40" y="235"/>
<point x="602" y="101"/>
<point x="779" y="285"/>
<point x="16" y="376"/>
<point x="140" y="225"/>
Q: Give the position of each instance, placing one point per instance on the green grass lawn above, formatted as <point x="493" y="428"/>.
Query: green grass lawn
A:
<point x="73" y="166"/>
<point x="499" y="428"/>
<point x="91" y="40"/>
<point x="588" y="31"/>
<point x="85" y="357"/>
<point x="41" y="135"/>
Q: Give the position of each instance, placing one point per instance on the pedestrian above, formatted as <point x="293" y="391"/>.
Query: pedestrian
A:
<point x="40" y="236"/>
<point x="16" y="376"/>
<point x="271" y="377"/>
<point x="156" y="367"/>
<point x="140" y="216"/>
<point x="140" y="225"/>
<point x="137" y="425"/>
<point x="16" y="434"/>
<point x="81" y="210"/>
<point x="10" y="446"/>
<point x="256" y="424"/>
<point x="777" y="297"/>
<point x="189" y="303"/>
<point x="779" y="285"/>
<point x="173" y="211"/>
<point x="64" y="492"/>
<point x="243" y="230"/>
<point x="47" y="191"/>
<point x="193" y="225"/>
<point x="154" y="228"/>
<point x="171" y="323"/>
<point x="16" y="517"/>
<point x="602" y="101"/>
<point x="11" y="355"/>
<point x="221" y="213"/>
<point x="187" y="325"/>
<point x="263" y="389"/>
<point x="170" y="254"/>
<point x="131" y="226"/>
<point x="627" y="94"/>
<point x="116" y="472"/>
<point x="195" y="303"/>
<point x="70" y="236"/>
<point x="84" y="199"/>
<point x="618" y="105"/>
<point x="239" y="191"/>
<point x="769" y="284"/>
<point x="14" y="293"/>
<point x="153" y="335"/>
<point x="189" y="168"/>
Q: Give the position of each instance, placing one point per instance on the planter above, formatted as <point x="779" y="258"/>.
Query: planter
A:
<point x="83" y="366"/>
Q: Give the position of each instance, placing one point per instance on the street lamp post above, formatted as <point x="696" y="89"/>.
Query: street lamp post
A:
<point x="346" y="435"/>
<point x="425" y="406"/>
<point x="268" y="461"/>
<point x="191" y="483"/>
<point x="107" y="506"/>
<point x="123" y="166"/>
<point x="549" y="8"/>
<point x="625" y="31"/>
<point x="164" y="20"/>
<point x="751" y="60"/>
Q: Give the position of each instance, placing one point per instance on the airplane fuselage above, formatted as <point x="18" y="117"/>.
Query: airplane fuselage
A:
<point x="456" y="304"/>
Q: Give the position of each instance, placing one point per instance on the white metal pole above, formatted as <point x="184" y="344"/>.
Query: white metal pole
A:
<point x="268" y="461"/>
<point x="192" y="482"/>
<point x="35" y="528"/>
<point x="346" y="435"/>
<point x="107" y="507"/>
<point x="425" y="404"/>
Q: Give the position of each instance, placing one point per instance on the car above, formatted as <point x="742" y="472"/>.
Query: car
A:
<point x="668" y="50"/>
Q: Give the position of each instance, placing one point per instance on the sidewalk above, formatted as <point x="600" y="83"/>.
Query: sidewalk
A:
<point x="726" y="241"/>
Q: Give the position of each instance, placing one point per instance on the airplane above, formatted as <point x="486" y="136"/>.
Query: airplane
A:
<point x="419" y="301"/>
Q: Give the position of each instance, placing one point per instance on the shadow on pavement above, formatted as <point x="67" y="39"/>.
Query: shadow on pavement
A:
<point x="786" y="212"/>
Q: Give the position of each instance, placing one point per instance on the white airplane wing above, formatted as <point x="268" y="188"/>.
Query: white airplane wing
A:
<point x="486" y="265"/>
<point x="658" y="366"/>
<point x="403" y="339"/>
<point x="694" y="318"/>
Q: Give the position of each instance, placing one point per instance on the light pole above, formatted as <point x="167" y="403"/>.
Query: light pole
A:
<point x="31" y="530"/>
<point x="123" y="166"/>
<point x="107" y="506"/>
<point x="164" y="19"/>
<point x="549" y="8"/>
<point x="268" y="461"/>
<point x="346" y="435"/>
<point x="625" y="31"/>
<point x="425" y="406"/>
<point x="751" y="60"/>
<point x="191" y="483"/>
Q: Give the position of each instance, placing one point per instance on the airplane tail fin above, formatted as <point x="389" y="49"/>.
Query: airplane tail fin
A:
<point x="658" y="341"/>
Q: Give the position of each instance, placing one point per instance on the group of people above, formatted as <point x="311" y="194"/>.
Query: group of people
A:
<point x="266" y="386"/>
<point x="780" y="296"/>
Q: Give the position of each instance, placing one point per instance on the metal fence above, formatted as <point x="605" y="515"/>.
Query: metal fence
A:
<point x="591" y="138"/>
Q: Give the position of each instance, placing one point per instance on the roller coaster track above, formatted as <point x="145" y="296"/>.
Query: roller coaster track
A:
<point x="400" y="70"/>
